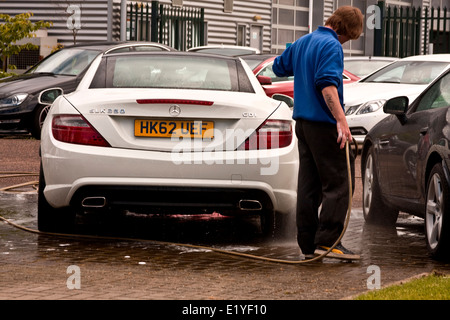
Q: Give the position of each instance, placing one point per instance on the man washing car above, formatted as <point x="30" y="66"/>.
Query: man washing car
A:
<point x="316" y="62"/>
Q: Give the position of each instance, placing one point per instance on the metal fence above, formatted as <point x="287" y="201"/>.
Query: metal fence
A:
<point x="179" y="27"/>
<point x="412" y="31"/>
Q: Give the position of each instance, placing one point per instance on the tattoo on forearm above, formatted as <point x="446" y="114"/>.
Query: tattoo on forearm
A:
<point x="329" y="101"/>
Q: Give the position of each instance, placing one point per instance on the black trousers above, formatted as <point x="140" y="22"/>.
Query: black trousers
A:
<point x="322" y="181"/>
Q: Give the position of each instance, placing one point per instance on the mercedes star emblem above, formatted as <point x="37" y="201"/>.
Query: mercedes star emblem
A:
<point x="174" y="110"/>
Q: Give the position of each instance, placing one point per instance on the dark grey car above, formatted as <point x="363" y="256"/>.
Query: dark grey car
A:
<point x="405" y="164"/>
<point x="19" y="107"/>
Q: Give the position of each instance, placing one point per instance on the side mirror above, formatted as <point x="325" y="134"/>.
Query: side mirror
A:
<point x="49" y="95"/>
<point x="397" y="106"/>
<point x="282" y="97"/>
<point x="264" y="80"/>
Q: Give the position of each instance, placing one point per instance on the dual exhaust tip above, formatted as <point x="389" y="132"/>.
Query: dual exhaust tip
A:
<point x="250" y="205"/>
<point x="100" y="202"/>
<point x="93" y="202"/>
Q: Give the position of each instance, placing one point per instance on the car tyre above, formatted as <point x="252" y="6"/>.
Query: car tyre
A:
<point x="38" y="120"/>
<point x="50" y="219"/>
<point x="375" y="210"/>
<point x="437" y="204"/>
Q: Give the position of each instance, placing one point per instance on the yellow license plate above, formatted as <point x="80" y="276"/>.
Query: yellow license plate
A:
<point x="163" y="128"/>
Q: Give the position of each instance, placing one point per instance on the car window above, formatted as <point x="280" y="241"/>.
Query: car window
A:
<point x="438" y="96"/>
<point x="361" y="68"/>
<point x="268" y="72"/>
<point x="71" y="61"/>
<point x="408" y="72"/>
<point x="171" y="71"/>
<point x="253" y="63"/>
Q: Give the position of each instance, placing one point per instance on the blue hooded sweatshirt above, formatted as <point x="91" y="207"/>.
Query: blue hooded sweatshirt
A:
<point x="316" y="61"/>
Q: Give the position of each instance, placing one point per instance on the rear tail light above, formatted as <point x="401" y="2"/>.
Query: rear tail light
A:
<point x="76" y="129"/>
<point x="272" y="134"/>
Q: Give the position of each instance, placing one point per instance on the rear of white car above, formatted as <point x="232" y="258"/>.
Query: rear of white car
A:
<point x="168" y="133"/>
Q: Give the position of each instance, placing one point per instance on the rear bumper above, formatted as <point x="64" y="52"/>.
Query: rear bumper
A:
<point x="144" y="180"/>
<point x="176" y="200"/>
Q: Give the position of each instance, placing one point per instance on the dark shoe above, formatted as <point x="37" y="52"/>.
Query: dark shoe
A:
<point x="309" y="256"/>
<point x="338" y="252"/>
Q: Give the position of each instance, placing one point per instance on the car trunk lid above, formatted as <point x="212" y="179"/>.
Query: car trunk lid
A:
<point x="168" y="120"/>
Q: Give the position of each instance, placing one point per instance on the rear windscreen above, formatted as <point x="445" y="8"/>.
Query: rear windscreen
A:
<point x="169" y="72"/>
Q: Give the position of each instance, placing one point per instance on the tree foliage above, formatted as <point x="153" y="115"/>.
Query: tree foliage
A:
<point x="13" y="29"/>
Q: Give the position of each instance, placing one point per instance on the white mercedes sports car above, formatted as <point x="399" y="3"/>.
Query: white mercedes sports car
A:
<point x="171" y="132"/>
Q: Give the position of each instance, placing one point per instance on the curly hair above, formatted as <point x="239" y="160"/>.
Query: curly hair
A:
<point x="347" y="21"/>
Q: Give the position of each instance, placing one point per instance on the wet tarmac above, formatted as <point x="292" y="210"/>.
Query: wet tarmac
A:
<point x="129" y="261"/>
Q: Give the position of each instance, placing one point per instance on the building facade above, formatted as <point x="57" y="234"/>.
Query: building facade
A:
<point x="268" y="25"/>
<point x="293" y="18"/>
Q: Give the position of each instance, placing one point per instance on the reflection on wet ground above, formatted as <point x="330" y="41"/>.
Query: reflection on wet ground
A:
<point x="373" y="241"/>
<point x="214" y="230"/>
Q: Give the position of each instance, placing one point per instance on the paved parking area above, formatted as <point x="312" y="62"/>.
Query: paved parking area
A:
<point x="50" y="268"/>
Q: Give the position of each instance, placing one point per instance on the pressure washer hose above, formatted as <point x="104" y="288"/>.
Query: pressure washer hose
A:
<point x="15" y="175"/>
<point x="239" y="254"/>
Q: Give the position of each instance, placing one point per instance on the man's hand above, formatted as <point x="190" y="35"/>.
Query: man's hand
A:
<point x="343" y="135"/>
<point x="331" y="96"/>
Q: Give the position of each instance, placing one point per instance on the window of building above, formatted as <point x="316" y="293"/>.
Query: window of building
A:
<point x="354" y="47"/>
<point x="177" y="3"/>
<point x="241" y="35"/>
<point x="228" y="6"/>
<point x="290" y="19"/>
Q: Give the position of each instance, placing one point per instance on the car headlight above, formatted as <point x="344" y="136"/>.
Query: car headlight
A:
<point x="14" y="100"/>
<point x="352" y="110"/>
<point x="371" y="106"/>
